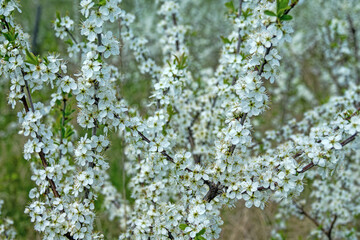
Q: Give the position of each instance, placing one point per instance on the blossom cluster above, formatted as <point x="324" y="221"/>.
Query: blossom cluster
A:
<point x="326" y="136"/>
<point x="193" y="152"/>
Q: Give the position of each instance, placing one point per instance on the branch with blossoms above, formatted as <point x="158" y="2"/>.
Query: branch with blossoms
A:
<point x="73" y="215"/>
<point x="175" y="194"/>
<point x="204" y="176"/>
<point x="26" y="75"/>
<point x="332" y="126"/>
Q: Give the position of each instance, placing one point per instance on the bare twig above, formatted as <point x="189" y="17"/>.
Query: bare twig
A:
<point x="356" y="47"/>
<point x="331" y="227"/>
<point x="239" y="38"/>
<point x="177" y="44"/>
<point x="62" y="124"/>
<point x="197" y="157"/>
<point x="315" y="221"/>
<point x="312" y="219"/>
<point x="36" y="29"/>
<point x="71" y="35"/>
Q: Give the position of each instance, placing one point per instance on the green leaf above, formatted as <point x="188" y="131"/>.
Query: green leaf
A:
<point x="282" y="4"/>
<point x="69" y="41"/>
<point x="170" y="110"/>
<point x="200" y="238"/>
<point x="202" y="231"/>
<point x="31" y="58"/>
<point x="247" y="13"/>
<point x="230" y="6"/>
<point x="183" y="226"/>
<point x="180" y="62"/>
<point x="58" y="16"/>
<point x="270" y="13"/>
<point x="7" y="36"/>
<point x="281" y="7"/>
<point x="225" y="40"/>
<point x="176" y="60"/>
<point x="286" y="17"/>
<point x="46" y="60"/>
<point x="102" y="3"/>
<point x="69" y="132"/>
<point x="320" y="227"/>
<point x="10" y="35"/>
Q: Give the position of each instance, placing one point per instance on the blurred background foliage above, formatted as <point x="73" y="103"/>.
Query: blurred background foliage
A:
<point x="208" y="23"/>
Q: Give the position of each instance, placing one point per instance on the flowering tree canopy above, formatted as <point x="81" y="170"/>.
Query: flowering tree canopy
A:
<point x="196" y="145"/>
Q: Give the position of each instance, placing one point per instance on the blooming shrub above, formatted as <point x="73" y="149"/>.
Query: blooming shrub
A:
<point x="193" y="151"/>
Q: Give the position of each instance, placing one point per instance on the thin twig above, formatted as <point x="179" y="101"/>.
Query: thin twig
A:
<point x="331" y="227"/>
<point x="177" y="44"/>
<point x="307" y="215"/>
<point x="343" y="143"/>
<point x="192" y="140"/>
<point x="36" y="29"/>
<point x="239" y="38"/>
<point x="41" y="153"/>
<point x="71" y="35"/>
<point x="62" y="124"/>
<point x="356" y="47"/>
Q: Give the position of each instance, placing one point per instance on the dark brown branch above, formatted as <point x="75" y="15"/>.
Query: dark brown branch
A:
<point x="177" y="44"/>
<point x="170" y="236"/>
<point x="23" y="100"/>
<point x="29" y="96"/>
<point x="44" y="162"/>
<point x="68" y="236"/>
<point x="349" y="139"/>
<point x="35" y="47"/>
<point x="41" y="153"/>
<point x="71" y="35"/>
<point x="143" y="136"/>
<point x="312" y="219"/>
<point x="192" y="140"/>
<point x="331" y="227"/>
<point x="239" y="38"/>
<point x="214" y="190"/>
<point x="292" y="5"/>
<point x="343" y="143"/>
<point x="356" y="47"/>
<point x="349" y="117"/>
<point x="62" y="123"/>
<point x="261" y="69"/>
<point x="163" y="152"/>
<point x="306" y="168"/>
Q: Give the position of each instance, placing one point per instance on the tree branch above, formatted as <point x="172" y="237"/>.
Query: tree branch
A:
<point x="177" y="44"/>
<point x="41" y="153"/>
